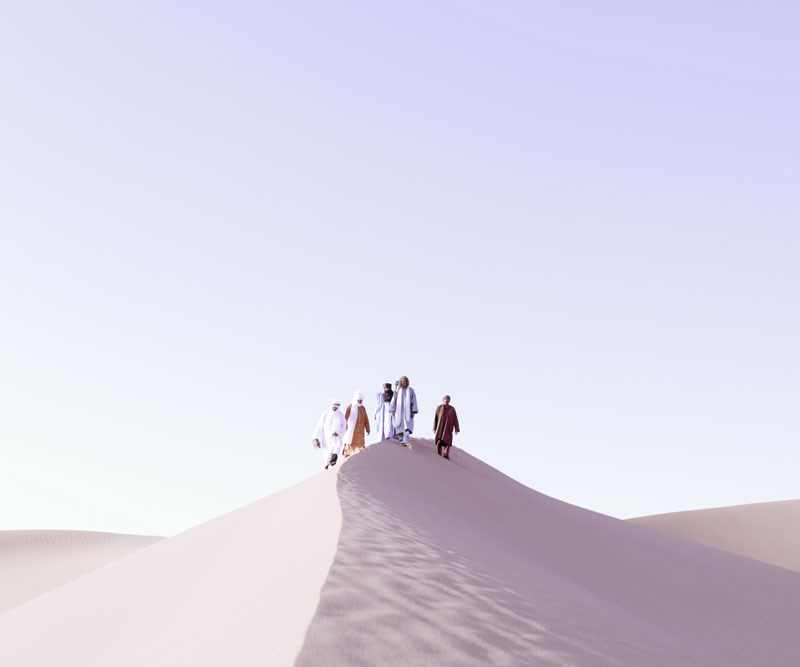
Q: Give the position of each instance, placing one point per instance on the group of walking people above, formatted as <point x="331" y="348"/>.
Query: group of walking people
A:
<point x="343" y="433"/>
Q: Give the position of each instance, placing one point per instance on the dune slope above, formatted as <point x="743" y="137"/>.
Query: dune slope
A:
<point x="763" y="531"/>
<point x="238" y="590"/>
<point x="453" y="563"/>
<point x="399" y="557"/>
<point x="33" y="562"/>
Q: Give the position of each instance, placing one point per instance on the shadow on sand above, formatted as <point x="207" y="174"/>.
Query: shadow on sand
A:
<point x="403" y="594"/>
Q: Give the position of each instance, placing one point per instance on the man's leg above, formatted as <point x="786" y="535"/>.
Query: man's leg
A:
<point x="336" y="450"/>
<point x="402" y="431"/>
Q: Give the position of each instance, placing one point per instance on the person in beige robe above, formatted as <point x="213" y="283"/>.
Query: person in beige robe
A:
<point x="357" y="425"/>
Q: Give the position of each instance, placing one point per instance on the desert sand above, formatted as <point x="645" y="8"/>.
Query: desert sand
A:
<point x="763" y="531"/>
<point x="238" y="590"/>
<point x="399" y="557"/>
<point x="33" y="562"/>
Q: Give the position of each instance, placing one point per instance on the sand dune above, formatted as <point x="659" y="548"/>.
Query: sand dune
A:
<point x="239" y="590"/>
<point x="399" y="557"/>
<point x="452" y="563"/>
<point x="33" y="562"/>
<point x="764" y="531"/>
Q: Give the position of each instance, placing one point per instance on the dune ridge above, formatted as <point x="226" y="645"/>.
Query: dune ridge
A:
<point x="453" y="563"/>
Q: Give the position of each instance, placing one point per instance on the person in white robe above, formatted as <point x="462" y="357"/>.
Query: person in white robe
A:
<point x="403" y="409"/>
<point x="329" y="434"/>
<point x="384" y="424"/>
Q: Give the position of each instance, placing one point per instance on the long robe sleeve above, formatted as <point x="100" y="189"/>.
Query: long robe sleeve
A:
<point x="319" y="431"/>
<point x="363" y="411"/>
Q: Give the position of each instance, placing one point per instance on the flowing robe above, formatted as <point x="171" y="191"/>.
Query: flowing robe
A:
<point x="404" y="405"/>
<point x="444" y="422"/>
<point x="357" y="423"/>
<point x="331" y="421"/>
<point x="384" y="425"/>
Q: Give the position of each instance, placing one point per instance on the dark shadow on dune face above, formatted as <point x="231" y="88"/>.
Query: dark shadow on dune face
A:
<point x="403" y="594"/>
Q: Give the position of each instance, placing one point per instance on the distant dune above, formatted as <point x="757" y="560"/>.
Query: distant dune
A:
<point x="33" y="562"/>
<point x="769" y="532"/>
<point x="398" y="557"/>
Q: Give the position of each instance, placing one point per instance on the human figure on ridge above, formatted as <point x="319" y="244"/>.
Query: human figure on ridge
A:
<point x="444" y="422"/>
<point x="384" y="428"/>
<point x="328" y="434"/>
<point x="403" y="408"/>
<point x="357" y="423"/>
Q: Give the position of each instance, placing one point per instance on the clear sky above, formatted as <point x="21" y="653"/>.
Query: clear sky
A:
<point x="579" y="219"/>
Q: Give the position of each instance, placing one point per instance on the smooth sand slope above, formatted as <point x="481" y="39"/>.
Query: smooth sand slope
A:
<point x="399" y="557"/>
<point x="33" y="562"/>
<point x="769" y="532"/>
<point x="453" y="563"/>
<point x="237" y="591"/>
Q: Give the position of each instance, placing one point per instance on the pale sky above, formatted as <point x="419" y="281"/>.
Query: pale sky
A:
<point x="579" y="219"/>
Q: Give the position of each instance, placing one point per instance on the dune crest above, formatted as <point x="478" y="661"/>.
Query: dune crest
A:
<point x="453" y="563"/>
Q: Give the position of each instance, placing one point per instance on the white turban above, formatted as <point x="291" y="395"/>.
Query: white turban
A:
<point x="335" y="402"/>
<point x="358" y="396"/>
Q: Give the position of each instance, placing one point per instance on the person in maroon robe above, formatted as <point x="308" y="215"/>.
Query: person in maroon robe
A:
<point x="444" y="422"/>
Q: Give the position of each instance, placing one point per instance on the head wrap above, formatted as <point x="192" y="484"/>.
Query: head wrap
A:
<point x="358" y="396"/>
<point x="335" y="402"/>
